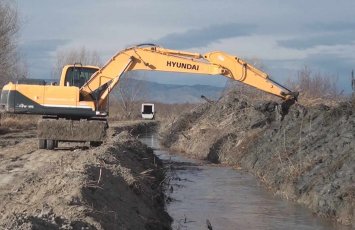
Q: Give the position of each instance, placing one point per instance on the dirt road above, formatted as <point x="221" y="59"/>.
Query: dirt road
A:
<point x="114" y="186"/>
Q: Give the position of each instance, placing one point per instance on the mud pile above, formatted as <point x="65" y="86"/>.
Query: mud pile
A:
<point x="308" y="156"/>
<point x="115" y="186"/>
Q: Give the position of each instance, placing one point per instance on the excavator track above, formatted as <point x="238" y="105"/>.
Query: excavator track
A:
<point x="51" y="131"/>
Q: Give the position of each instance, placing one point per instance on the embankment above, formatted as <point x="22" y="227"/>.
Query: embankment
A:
<point x="308" y="156"/>
<point x="114" y="186"/>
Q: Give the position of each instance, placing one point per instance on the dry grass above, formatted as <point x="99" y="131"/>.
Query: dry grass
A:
<point x="247" y="92"/>
<point x="118" y="113"/>
<point x="14" y="122"/>
<point x="314" y="88"/>
<point x="163" y="112"/>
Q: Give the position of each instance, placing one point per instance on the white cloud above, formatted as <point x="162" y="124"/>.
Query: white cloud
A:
<point x="264" y="47"/>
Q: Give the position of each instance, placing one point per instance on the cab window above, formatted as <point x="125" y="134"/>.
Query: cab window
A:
<point x="78" y="76"/>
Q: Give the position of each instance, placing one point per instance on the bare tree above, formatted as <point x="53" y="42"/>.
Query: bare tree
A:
<point x="72" y="56"/>
<point x="353" y="86"/>
<point x="130" y="90"/>
<point x="8" y="42"/>
<point x="315" y="85"/>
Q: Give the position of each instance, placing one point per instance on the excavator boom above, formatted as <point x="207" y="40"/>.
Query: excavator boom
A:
<point x="155" y="58"/>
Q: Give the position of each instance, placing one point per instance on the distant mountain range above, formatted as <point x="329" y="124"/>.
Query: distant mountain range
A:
<point x="169" y="93"/>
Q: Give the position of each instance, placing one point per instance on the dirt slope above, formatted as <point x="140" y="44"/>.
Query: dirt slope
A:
<point x="309" y="156"/>
<point x="115" y="186"/>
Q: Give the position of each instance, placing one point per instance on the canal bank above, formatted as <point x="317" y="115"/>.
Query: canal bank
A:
<point x="307" y="156"/>
<point x="199" y="193"/>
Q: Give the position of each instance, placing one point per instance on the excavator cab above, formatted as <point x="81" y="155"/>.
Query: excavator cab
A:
<point x="78" y="75"/>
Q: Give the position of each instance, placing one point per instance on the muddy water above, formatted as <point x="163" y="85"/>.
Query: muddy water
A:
<point x="227" y="198"/>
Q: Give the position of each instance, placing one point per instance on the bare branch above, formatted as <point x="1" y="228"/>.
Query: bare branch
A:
<point x="9" y="59"/>
<point x="72" y="56"/>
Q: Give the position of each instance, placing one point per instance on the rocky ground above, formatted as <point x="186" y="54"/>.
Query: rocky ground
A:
<point x="307" y="156"/>
<point x="114" y="186"/>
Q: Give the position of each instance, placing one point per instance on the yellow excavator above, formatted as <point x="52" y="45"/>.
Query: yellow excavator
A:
<point x="77" y="108"/>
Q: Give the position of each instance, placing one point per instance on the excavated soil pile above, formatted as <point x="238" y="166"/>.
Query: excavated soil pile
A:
<point x="115" y="186"/>
<point x="307" y="156"/>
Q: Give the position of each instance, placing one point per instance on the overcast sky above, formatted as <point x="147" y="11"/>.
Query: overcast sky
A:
<point x="283" y="35"/>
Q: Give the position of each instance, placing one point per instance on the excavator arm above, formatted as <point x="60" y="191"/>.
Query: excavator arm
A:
<point x="154" y="58"/>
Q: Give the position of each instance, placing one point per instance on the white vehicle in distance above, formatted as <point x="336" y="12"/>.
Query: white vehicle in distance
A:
<point x="148" y="111"/>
